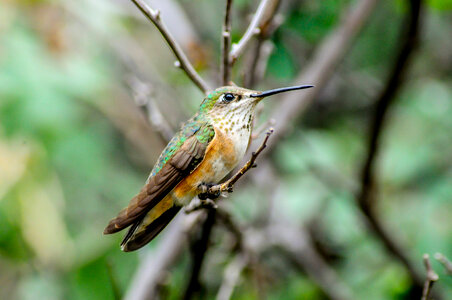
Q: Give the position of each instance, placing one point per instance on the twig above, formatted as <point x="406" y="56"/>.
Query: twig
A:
<point x="445" y="262"/>
<point x="226" y="43"/>
<point x="260" y="17"/>
<point x="215" y="190"/>
<point x="184" y="63"/>
<point x="430" y="279"/>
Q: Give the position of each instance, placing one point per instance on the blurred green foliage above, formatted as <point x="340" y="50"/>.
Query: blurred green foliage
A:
<point x="66" y="167"/>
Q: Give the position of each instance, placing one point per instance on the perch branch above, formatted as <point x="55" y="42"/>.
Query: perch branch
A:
<point x="183" y="62"/>
<point x="226" y="34"/>
<point x="215" y="190"/>
<point x="430" y="279"/>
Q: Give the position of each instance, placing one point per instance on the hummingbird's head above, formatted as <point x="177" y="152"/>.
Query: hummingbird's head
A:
<point x="231" y="104"/>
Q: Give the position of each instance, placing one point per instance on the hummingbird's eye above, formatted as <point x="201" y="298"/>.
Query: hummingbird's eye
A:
<point x="228" y="97"/>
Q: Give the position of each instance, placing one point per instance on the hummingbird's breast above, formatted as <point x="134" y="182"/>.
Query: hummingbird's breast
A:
<point x="224" y="152"/>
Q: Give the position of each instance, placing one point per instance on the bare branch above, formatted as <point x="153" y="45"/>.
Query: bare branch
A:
<point x="264" y="12"/>
<point x="445" y="262"/>
<point x="216" y="190"/>
<point x="226" y="34"/>
<point x="154" y="17"/>
<point x="430" y="279"/>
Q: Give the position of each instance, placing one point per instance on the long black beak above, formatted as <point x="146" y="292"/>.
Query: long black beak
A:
<point x="280" y="90"/>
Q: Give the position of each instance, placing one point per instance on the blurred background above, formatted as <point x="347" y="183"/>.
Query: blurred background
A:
<point x="89" y="94"/>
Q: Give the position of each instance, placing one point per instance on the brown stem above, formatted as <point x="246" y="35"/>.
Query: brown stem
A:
<point x="216" y="190"/>
<point x="183" y="62"/>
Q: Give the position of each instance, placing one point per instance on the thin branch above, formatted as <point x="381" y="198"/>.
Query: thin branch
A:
<point x="445" y="262"/>
<point x="264" y="12"/>
<point x="183" y="62"/>
<point x="226" y="43"/>
<point x="430" y="278"/>
<point x="216" y="190"/>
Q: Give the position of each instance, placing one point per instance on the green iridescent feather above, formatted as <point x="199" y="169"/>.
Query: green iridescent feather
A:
<point x="210" y="100"/>
<point x="198" y="126"/>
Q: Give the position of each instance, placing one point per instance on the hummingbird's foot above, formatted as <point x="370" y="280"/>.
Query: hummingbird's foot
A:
<point x="207" y="193"/>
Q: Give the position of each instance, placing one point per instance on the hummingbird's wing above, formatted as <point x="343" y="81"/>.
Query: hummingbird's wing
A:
<point x="186" y="151"/>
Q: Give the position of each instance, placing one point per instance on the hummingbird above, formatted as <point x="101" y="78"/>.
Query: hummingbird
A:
<point x="205" y="150"/>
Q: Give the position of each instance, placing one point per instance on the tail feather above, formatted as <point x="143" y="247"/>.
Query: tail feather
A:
<point x="140" y="234"/>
